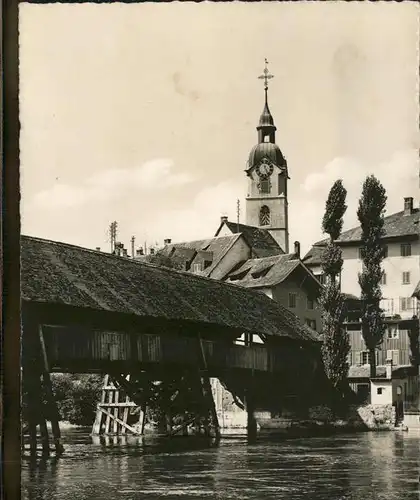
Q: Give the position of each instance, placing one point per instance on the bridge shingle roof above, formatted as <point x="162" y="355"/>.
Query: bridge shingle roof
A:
<point x="64" y="274"/>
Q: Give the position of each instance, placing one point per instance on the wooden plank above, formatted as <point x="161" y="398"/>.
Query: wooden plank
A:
<point x="111" y="416"/>
<point x="108" y="420"/>
<point x="116" y="410"/>
<point x="127" y="404"/>
<point x="96" y="429"/>
<point x="142" y="418"/>
<point x="125" y="412"/>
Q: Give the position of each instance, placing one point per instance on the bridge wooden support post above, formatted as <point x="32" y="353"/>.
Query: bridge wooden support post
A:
<point x="211" y="419"/>
<point x="185" y="424"/>
<point x="33" y="408"/>
<point x="52" y="405"/>
<point x="251" y="420"/>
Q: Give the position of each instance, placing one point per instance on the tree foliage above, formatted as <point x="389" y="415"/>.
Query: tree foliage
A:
<point x="335" y="208"/>
<point x="76" y="397"/>
<point x="335" y="346"/>
<point x="414" y="335"/>
<point x="371" y="217"/>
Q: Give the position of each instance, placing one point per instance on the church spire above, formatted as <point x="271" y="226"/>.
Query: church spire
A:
<point x="266" y="127"/>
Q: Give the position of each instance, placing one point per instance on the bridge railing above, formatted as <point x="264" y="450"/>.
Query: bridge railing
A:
<point x="70" y="345"/>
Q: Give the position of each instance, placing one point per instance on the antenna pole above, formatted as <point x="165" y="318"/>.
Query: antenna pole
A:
<point x="238" y="212"/>
<point x="113" y="234"/>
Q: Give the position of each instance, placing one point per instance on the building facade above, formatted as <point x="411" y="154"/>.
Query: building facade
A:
<point x="400" y="303"/>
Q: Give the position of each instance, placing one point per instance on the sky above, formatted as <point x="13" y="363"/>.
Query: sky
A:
<point x="146" y="113"/>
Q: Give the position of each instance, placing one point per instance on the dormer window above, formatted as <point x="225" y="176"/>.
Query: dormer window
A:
<point x="197" y="268"/>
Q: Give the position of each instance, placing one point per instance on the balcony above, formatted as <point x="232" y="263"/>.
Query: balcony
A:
<point x="400" y="308"/>
<point x="405" y="307"/>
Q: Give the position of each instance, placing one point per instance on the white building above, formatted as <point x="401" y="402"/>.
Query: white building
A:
<point x="401" y="265"/>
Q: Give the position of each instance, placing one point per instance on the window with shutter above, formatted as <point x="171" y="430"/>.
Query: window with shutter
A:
<point x="406" y="278"/>
<point x="392" y="332"/>
<point x="365" y="357"/>
<point x="405" y="303"/>
<point x="395" y="357"/>
<point x="405" y="249"/>
<point x="292" y="300"/>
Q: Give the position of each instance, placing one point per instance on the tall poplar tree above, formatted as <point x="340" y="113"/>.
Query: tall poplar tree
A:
<point x="371" y="217"/>
<point x="336" y="345"/>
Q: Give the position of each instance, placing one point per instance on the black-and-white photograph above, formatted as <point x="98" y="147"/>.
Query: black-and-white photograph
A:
<point x="220" y="250"/>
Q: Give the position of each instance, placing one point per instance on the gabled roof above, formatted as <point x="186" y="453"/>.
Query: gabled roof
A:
<point x="314" y="255"/>
<point x="363" y="371"/>
<point x="189" y="251"/>
<point x="398" y="225"/>
<point x="58" y="273"/>
<point x="269" y="271"/>
<point x="416" y="292"/>
<point x="260" y="240"/>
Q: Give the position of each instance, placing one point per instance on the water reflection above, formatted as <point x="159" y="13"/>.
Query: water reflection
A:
<point x="356" y="467"/>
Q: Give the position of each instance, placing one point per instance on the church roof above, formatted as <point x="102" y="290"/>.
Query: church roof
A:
<point x="269" y="271"/>
<point x="260" y="240"/>
<point x="266" y="150"/>
<point x="397" y="225"/>
<point x="266" y="118"/>
<point x="62" y="274"/>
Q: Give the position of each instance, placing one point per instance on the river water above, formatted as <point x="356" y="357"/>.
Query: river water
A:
<point x="357" y="467"/>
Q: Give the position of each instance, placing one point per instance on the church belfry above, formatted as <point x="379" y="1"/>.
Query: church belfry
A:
<point x="266" y="201"/>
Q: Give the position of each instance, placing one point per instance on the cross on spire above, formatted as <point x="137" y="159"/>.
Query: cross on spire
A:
<point x="266" y="76"/>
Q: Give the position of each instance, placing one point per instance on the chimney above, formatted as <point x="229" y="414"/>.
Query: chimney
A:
<point x="139" y="252"/>
<point x="388" y="364"/>
<point x="152" y="251"/>
<point x="408" y="205"/>
<point x="167" y="241"/>
<point x="124" y="252"/>
<point x="297" y="249"/>
<point x="223" y="218"/>
<point x="98" y="249"/>
<point x="117" y="248"/>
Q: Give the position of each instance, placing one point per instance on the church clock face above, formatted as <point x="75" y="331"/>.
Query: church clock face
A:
<point x="264" y="169"/>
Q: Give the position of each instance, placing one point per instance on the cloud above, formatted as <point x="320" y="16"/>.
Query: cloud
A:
<point x="201" y="218"/>
<point x="113" y="183"/>
<point x="399" y="175"/>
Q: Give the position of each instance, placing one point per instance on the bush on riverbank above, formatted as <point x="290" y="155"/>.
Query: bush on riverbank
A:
<point x="76" y="397"/>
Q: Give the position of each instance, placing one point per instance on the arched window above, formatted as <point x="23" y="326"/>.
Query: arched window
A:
<point x="264" y="216"/>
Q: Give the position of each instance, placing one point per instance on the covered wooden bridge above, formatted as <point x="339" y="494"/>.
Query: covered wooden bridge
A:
<point x="88" y="311"/>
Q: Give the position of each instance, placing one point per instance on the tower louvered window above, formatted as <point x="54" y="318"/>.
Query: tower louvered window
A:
<point x="264" y="216"/>
<point x="265" y="187"/>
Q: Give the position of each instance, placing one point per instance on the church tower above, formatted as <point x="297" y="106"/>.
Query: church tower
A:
<point x="266" y="201"/>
